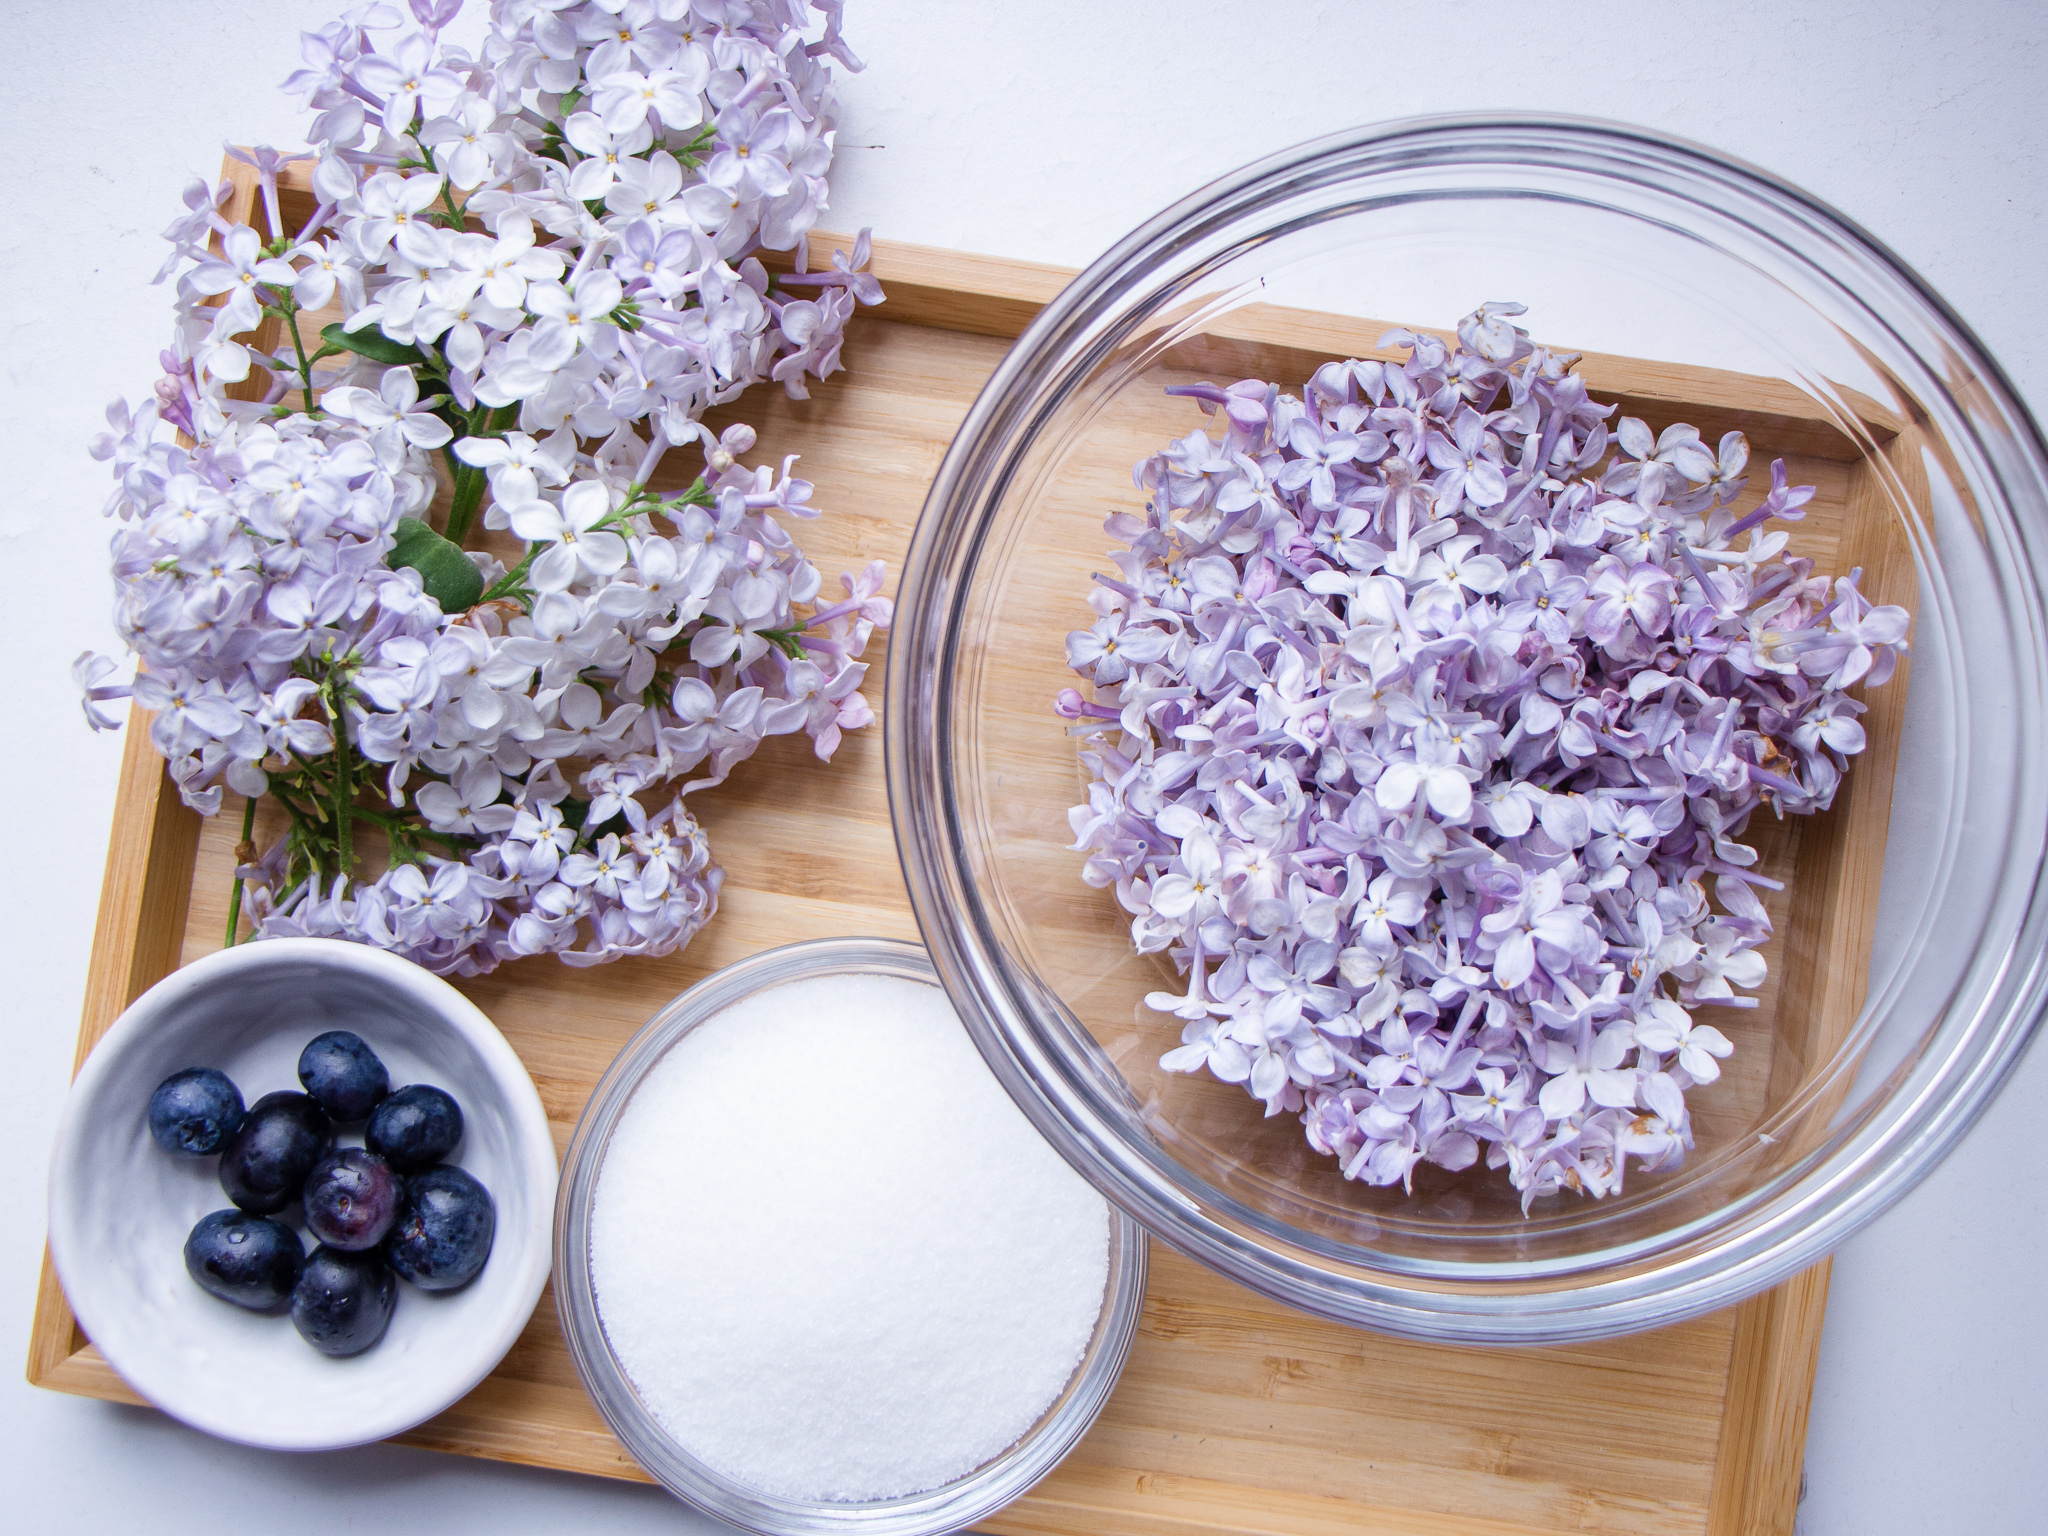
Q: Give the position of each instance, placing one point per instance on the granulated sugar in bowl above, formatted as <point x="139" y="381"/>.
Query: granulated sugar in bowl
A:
<point x="862" y="1287"/>
<point x="816" y="1267"/>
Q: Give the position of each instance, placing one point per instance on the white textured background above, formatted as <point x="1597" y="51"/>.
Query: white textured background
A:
<point x="1045" y="131"/>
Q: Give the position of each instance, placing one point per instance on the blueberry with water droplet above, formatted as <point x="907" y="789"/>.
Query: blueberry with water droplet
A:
<point x="352" y="1198"/>
<point x="446" y="1232"/>
<point x="251" y="1261"/>
<point x="343" y="1301"/>
<point x="266" y="1162"/>
<point x="415" y="1127"/>
<point x="343" y="1075"/>
<point x="195" y="1110"/>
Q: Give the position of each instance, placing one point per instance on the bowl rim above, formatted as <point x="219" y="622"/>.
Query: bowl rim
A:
<point x="1805" y="1219"/>
<point x="530" y="1135"/>
<point x="948" y="1507"/>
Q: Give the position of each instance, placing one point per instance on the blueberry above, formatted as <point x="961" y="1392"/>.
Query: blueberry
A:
<point x="343" y="1301"/>
<point x="352" y="1198"/>
<point x="343" y="1075"/>
<point x="266" y="1163"/>
<point x="415" y="1127"/>
<point x="249" y="1260"/>
<point x="195" y="1110"/>
<point x="446" y="1234"/>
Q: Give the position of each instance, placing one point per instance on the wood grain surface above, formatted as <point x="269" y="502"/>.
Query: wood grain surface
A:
<point x="1234" y="1413"/>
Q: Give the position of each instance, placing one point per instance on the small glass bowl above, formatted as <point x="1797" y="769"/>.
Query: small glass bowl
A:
<point x="947" y="1508"/>
<point x="1877" y="1043"/>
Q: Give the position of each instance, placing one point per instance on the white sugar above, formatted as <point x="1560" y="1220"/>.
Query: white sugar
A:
<point x="835" y="1259"/>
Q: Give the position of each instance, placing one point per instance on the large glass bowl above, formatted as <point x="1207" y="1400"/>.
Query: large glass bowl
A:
<point x="1902" y="992"/>
<point x="948" y="1507"/>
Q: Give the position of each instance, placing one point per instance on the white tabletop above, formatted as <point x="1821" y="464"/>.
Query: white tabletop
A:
<point x="1042" y="131"/>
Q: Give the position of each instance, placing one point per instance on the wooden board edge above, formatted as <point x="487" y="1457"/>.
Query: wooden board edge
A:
<point x="1842" y="851"/>
<point x="1762" y="1455"/>
<point x="53" y="1336"/>
<point x="997" y="296"/>
<point x="145" y="891"/>
<point x="1873" y="541"/>
<point x="87" y="1374"/>
<point x="1777" y="1336"/>
<point x="535" y="1424"/>
<point x="476" y="1426"/>
<point x="140" y="928"/>
<point x="145" y="843"/>
<point x="1102" y="1499"/>
<point x="1000" y="296"/>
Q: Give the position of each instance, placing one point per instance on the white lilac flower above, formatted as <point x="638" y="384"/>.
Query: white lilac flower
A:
<point x="1417" y="734"/>
<point x="1664" y="1026"/>
<point x="410" y="79"/>
<point x="389" y="410"/>
<point x="241" y="272"/>
<point x="467" y="141"/>
<point x="524" y="738"/>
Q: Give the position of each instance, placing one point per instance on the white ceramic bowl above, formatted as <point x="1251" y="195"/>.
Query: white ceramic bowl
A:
<point x="121" y="1207"/>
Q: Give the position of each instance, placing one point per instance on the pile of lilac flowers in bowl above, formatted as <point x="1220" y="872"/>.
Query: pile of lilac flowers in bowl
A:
<point x="1419" y="782"/>
<point x="1505" y="832"/>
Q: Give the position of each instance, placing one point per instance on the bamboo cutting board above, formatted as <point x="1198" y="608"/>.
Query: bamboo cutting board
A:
<point x="1234" y="1414"/>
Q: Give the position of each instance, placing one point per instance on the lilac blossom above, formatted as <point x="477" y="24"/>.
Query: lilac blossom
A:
<point x="1425" y="707"/>
<point x="545" y="259"/>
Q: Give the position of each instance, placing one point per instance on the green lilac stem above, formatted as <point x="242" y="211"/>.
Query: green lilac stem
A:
<point x="789" y="641"/>
<point x="512" y="581"/>
<point x="469" y="495"/>
<point x="290" y="306"/>
<point x="235" y="895"/>
<point x="470" y="479"/>
<point x="344" y="784"/>
<point x="286" y="310"/>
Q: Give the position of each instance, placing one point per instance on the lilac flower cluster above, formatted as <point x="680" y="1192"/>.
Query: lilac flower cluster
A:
<point x="658" y="144"/>
<point x="1424" y="707"/>
<point x="307" y="632"/>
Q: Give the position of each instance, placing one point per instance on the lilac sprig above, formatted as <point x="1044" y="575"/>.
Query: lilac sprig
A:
<point x="1425" y="709"/>
<point x="545" y="260"/>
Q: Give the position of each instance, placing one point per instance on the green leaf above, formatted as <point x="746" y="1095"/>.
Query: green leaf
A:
<point x="447" y="573"/>
<point x="372" y="343"/>
<point x="575" y="813"/>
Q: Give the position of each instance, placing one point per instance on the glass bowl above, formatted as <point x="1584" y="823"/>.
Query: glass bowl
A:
<point x="1908" y="974"/>
<point x="947" y="1508"/>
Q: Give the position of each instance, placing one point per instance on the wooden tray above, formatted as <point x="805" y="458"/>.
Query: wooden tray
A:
<point x="1234" y="1413"/>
